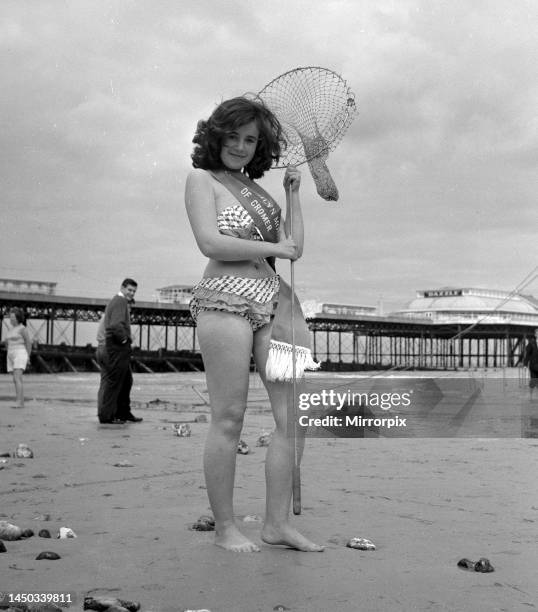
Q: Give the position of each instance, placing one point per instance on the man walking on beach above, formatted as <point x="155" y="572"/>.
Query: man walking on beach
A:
<point x="114" y="404"/>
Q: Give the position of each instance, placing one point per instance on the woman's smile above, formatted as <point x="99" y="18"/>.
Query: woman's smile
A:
<point x="239" y="146"/>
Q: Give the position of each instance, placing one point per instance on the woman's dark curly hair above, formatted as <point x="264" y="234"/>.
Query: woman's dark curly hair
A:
<point x="19" y="314"/>
<point x="227" y="117"/>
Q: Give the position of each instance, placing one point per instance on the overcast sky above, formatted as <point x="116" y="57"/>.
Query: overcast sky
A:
<point x="437" y="175"/>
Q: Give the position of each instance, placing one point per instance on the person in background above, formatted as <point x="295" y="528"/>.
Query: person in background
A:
<point x="19" y="348"/>
<point x="531" y="361"/>
<point x="116" y="377"/>
<point x="101" y="358"/>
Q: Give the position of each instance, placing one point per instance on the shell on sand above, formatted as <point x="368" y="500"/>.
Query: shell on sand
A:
<point x="483" y="565"/>
<point x="253" y="518"/>
<point x="66" y="532"/>
<point x="23" y="451"/>
<point x="9" y="531"/>
<point x="182" y="430"/>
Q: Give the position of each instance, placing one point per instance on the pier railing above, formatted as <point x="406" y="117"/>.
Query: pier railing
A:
<point x="64" y="330"/>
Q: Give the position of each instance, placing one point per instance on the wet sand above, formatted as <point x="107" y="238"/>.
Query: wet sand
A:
<point x="425" y="503"/>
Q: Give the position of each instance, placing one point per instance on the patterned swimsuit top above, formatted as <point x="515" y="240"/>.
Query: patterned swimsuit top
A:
<point x="235" y="221"/>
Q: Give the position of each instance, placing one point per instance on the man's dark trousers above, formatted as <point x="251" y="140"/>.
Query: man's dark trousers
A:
<point x="117" y="380"/>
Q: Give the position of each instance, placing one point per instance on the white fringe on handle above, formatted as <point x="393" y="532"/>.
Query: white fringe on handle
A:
<point x="279" y="365"/>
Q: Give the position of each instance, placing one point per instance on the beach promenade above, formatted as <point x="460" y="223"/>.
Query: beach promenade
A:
<point x="131" y="493"/>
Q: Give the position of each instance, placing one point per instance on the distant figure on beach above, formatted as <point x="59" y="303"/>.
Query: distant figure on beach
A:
<point x="237" y="225"/>
<point x="114" y="358"/>
<point x="531" y="361"/>
<point x="19" y="348"/>
<point x="101" y="358"/>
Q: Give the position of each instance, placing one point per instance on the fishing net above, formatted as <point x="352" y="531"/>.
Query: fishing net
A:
<point x="315" y="107"/>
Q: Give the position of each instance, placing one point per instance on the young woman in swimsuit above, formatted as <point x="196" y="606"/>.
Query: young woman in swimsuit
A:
<point x="234" y="303"/>
<point x="19" y="347"/>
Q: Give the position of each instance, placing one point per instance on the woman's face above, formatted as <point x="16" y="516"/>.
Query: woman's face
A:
<point x="13" y="319"/>
<point x="239" y="146"/>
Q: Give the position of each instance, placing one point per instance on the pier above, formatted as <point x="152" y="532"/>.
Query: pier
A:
<point x="64" y="328"/>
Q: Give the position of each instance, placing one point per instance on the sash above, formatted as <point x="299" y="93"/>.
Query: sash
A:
<point x="265" y="213"/>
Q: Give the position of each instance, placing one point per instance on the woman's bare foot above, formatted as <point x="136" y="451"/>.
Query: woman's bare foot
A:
<point x="230" y="538"/>
<point x="286" y="535"/>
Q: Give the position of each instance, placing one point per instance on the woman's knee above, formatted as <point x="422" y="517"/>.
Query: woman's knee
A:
<point x="229" y="420"/>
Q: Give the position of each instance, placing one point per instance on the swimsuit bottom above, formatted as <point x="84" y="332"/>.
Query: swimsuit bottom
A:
<point x="255" y="299"/>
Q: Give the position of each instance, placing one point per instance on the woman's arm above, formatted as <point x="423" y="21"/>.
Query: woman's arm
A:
<point x="27" y="340"/>
<point x="200" y="204"/>
<point x="292" y="182"/>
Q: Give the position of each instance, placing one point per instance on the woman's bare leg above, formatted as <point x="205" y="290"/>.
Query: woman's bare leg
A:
<point x="19" y="391"/>
<point x="226" y="344"/>
<point x="280" y="459"/>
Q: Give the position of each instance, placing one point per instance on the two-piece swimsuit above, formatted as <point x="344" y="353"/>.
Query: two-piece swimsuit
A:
<point x="17" y="355"/>
<point x="255" y="299"/>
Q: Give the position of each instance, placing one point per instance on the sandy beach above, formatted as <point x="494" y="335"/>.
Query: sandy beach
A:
<point x="425" y="503"/>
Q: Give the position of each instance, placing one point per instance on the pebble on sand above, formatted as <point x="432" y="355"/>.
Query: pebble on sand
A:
<point x="44" y="533"/>
<point x="66" y="532"/>
<point x="264" y="439"/>
<point x="482" y="565"/>
<point x="47" y="554"/>
<point x="242" y="448"/>
<point x="35" y="607"/>
<point x="9" y="531"/>
<point x="100" y="604"/>
<point x="361" y="544"/>
<point x="204" y="523"/>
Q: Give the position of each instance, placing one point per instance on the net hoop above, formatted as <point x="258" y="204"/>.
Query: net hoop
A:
<point x="315" y="107"/>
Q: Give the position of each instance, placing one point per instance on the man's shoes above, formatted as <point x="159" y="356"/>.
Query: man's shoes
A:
<point x="131" y="418"/>
<point x="112" y="422"/>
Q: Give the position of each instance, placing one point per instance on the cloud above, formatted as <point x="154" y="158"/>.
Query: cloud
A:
<point x="436" y="174"/>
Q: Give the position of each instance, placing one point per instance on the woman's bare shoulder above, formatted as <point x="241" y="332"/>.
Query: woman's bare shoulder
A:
<point x="199" y="188"/>
<point x="200" y="177"/>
